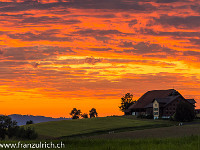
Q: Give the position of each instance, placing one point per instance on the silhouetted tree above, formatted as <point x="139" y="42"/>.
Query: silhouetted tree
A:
<point x="84" y="115"/>
<point x="126" y="102"/>
<point x="93" y="113"/>
<point x="7" y="127"/>
<point x="184" y="112"/>
<point x="12" y="130"/>
<point x="29" y="122"/>
<point x="75" y="113"/>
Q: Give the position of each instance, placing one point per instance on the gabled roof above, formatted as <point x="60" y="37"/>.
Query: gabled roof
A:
<point x="192" y="101"/>
<point x="162" y="100"/>
<point x="168" y="99"/>
<point x="149" y="96"/>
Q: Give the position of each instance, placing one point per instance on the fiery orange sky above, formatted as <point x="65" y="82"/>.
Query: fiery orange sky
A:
<point x="59" y="54"/>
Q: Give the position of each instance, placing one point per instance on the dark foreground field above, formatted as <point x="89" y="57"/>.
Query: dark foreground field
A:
<point x="183" y="143"/>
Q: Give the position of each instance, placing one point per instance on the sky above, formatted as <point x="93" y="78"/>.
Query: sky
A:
<point x="59" y="54"/>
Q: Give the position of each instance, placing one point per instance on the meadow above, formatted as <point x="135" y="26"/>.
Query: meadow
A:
<point x="182" y="143"/>
<point x="95" y="126"/>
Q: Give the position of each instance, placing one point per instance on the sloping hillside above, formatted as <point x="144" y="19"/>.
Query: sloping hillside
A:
<point x="80" y="127"/>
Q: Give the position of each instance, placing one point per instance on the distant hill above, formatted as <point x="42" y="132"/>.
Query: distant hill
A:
<point x="22" y="119"/>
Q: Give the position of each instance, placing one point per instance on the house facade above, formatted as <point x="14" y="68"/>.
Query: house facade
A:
<point x="159" y="103"/>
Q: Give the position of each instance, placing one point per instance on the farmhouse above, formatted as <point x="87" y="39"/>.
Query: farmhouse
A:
<point x="159" y="103"/>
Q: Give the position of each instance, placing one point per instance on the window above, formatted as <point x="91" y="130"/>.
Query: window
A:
<point x="156" y="105"/>
<point x="155" y="109"/>
<point x="155" y="113"/>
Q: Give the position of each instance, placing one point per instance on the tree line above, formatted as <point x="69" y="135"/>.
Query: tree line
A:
<point x="9" y="129"/>
<point x="76" y="113"/>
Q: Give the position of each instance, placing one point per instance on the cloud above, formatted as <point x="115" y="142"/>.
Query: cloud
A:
<point x="195" y="8"/>
<point x="35" y="52"/>
<point x="142" y="62"/>
<point x="48" y="35"/>
<point x="101" y="49"/>
<point x="183" y="34"/>
<point x="110" y="4"/>
<point x="48" y="20"/>
<point x="104" y="16"/>
<point x="179" y="22"/>
<point x="26" y="5"/>
<point x="143" y="47"/>
<point x="146" y="48"/>
<point x="191" y="53"/>
<point x="100" y="34"/>
<point x="92" y="60"/>
<point x="35" y="65"/>
<point x="79" y="4"/>
<point x="195" y="41"/>
<point x="132" y="22"/>
<point x="126" y="44"/>
<point x="89" y="32"/>
<point x="168" y="1"/>
<point x="16" y="16"/>
<point x="102" y="38"/>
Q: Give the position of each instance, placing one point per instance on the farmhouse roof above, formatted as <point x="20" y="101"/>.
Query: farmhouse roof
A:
<point x="168" y="99"/>
<point x="149" y="96"/>
<point x="192" y="101"/>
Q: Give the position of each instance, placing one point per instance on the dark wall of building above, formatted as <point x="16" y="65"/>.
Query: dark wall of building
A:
<point x="170" y="109"/>
<point x="149" y="111"/>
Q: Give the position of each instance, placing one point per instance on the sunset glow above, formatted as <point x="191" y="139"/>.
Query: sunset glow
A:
<point x="59" y="54"/>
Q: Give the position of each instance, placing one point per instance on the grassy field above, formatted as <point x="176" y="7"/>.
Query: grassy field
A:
<point x="183" y="143"/>
<point x="163" y="132"/>
<point x="83" y="127"/>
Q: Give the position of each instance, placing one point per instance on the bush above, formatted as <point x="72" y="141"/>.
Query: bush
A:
<point x="28" y="133"/>
<point x="149" y="117"/>
<point x="145" y="116"/>
<point x="12" y="132"/>
<point x="184" y="112"/>
<point x="84" y="115"/>
<point x="141" y="116"/>
<point x="29" y="122"/>
<point x="171" y="118"/>
<point x="197" y="117"/>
